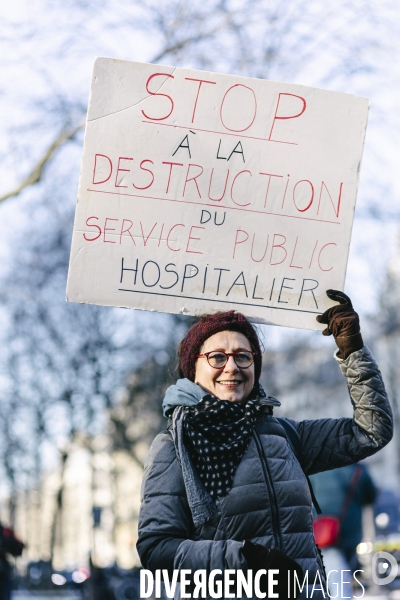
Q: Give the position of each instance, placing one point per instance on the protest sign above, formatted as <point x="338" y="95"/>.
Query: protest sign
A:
<point x="202" y="192"/>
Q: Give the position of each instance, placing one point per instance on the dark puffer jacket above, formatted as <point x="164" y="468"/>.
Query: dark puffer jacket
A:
<point x="270" y="501"/>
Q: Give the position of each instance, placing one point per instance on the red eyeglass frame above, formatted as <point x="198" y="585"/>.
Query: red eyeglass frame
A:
<point x="228" y="354"/>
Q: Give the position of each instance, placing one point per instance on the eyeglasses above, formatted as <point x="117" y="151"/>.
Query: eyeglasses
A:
<point x="218" y="359"/>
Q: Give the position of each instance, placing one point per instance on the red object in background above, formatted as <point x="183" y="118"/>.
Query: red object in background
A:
<point x="9" y="543"/>
<point x="326" y="530"/>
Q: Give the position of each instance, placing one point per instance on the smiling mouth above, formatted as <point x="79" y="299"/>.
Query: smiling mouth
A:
<point x="230" y="383"/>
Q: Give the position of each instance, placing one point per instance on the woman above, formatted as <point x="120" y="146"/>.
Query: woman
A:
<point x="225" y="487"/>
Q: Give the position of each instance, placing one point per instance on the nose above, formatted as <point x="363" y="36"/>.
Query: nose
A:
<point x="231" y="365"/>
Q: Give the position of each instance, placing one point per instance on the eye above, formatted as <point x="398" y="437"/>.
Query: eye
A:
<point x="217" y="358"/>
<point x="243" y="358"/>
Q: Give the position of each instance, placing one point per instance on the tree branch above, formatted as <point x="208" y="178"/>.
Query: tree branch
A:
<point x="182" y="43"/>
<point x="36" y="174"/>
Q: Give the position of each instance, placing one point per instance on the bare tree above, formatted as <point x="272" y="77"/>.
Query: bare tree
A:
<point x="302" y="42"/>
<point x="65" y="362"/>
<point x="137" y="417"/>
<point x="387" y="342"/>
<point x="349" y="46"/>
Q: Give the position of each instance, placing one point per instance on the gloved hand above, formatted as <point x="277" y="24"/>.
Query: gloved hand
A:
<point x="258" y="557"/>
<point x="343" y="323"/>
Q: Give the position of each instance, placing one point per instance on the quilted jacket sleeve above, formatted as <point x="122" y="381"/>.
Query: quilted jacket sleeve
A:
<point x="331" y="443"/>
<point x="165" y="538"/>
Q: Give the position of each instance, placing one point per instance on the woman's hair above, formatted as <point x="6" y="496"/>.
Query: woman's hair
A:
<point x="208" y="325"/>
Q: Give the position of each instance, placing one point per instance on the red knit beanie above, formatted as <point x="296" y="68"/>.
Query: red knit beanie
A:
<point x="208" y="326"/>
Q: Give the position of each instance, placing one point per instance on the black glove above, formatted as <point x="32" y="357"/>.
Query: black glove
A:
<point x="343" y="323"/>
<point x="258" y="557"/>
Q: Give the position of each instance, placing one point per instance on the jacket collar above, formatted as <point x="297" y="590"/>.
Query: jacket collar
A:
<point x="187" y="393"/>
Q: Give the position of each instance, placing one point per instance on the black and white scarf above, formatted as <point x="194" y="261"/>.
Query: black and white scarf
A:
<point x="217" y="433"/>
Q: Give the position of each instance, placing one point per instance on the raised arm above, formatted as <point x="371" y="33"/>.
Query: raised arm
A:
<point x="331" y="443"/>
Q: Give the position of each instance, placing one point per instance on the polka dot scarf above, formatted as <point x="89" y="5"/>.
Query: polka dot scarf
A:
<point x="217" y="433"/>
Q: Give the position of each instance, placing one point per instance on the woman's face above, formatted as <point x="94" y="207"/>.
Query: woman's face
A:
<point x="229" y="383"/>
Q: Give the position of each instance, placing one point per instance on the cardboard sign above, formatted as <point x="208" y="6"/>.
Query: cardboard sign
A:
<point x="204" y="192"/>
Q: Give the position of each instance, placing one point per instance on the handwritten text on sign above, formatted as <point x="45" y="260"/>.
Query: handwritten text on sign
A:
<point x="203" y="192"/>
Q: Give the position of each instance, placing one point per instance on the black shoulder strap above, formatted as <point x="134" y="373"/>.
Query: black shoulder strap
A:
<point x="295" y="443"/>
<point x="292" y="437"/>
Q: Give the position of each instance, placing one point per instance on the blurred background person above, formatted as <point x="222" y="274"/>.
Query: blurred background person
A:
<point x="342" y="494"/>
<point x="9" y="546"/>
